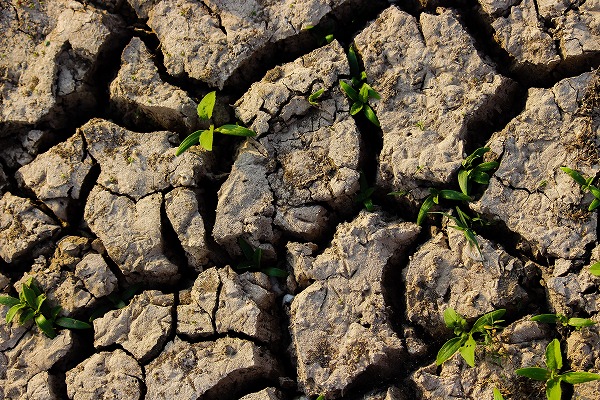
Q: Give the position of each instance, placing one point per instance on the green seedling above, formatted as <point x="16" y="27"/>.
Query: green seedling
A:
<point x="464" y="223"/>
<point x="313" y="98"/>
<point x="32" y="305"/>
<point x="466" y="340"/>
<point x="576" y="323"/>
<point x="474" y="171"/>
<point x="205" y="137"/>
<point x="434" y="198"/>
<point x="552" y="375"/>
<point x="365" y="193"/>
<point x="253" y="261"/>
<point x="497" y="394"/>
<point x="595" y="269"/>
<point x="586" y="186"/>
<point x="324" y="35"/>
<point x="117" y="301"/>
<point x="359" y="91"/>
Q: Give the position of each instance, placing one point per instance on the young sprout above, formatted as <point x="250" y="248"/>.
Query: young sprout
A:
<point x="205" y="137"/>
<point x="434" y="198"/>
<point x="312" y="99"/>
<point x="586" y="186"/>
<point x="364" y="196"/>
<point x="577" y="323"/>
<point x="32" y="305"/>
<point x="472" y="170"/>
<point x="466" y="340"/>
<point x="253" y="261"/>
<point x="552" y="375"/>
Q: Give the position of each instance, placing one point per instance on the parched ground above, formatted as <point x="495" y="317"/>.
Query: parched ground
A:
<point x="95" y="97"/>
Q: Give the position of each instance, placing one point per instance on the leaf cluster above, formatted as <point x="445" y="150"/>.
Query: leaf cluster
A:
<point x="586" y="186"/>
<point x="552" y="375"/>
<point x="474" y="171"/>
<point x="205" y="137"/>
<point x="359" y="91"/>
<point x="32" y="304"/>
<point x="576" y="323"/>
<point x="464" y="223"/>
<point x="466" y="340"/>
<point x="253" y="261"/>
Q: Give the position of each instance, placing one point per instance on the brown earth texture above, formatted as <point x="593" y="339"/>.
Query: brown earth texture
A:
<point x="279" y="266"/>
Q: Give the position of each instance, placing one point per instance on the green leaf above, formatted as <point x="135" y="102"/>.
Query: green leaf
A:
<point x="487" y="319"/>
<point x="535" y="373"/>
<point x="487" y="166"/>
<point x="276" y="272"/>
<point x="356" y="107"/>
<point x="369" y="205"/>
<point x="364" y="93"/>
<point x="312" y="99"/>
<point x="399" y="193"/>
<point x="29" y="296"/>
<point x="26" y="316"/>
<point x="464" y="218"/>
<point x="575" y="175"/>
<point x="257" y="257"/>
<point x="595" y="269"/>
<point x="353" y="61"/>
<point x="480" y="177"/>
<point x="39" y="302"/>
<point x="595" y="191"/>
<point x="467" y="351"/>
<point x="497" y="395"/>
<point x="454" y="195"/>
<point x="235" y="130"/>
<point x="349" y="90"/>
<point x="206" y="106"/>
<point x="546" y="318"/>
<point x="206" y="139"/>
<point x="463" y="181"/>
<point x="452" y="319"/>
<point x="14" y="310"/>
<point x="373" y="94"/>
<point x="188" y="142"/>
<point x="54" y="312"/>
<point x="247" y="250"/>
<point x="553" y="390"/>
<point x="448" y="350"/>
<point x="594" y="204"/>
<point x="321" y="397"/>
<point x="363" y="75"/>
<point x="580" y="322"/>
<point x="554" y="356"/>
<point x="473" y="156"/>
<point x="72" y="323"/>
<point x="425" y="207"/>
<point x="579" y="377"/>
<point x="9" y="301"/>
<point x="45" y="326"/>
<point x="329" y="38"/>
<point x="371" y="116"/>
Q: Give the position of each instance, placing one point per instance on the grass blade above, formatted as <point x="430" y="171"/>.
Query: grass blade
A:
<point x="535" y="373"/>
<point x="353" y="61"/>
<point x="14" y="310"/>
<point x="579" y="377"/>
<point x="463" y="181"/>
<point x="545" y="318"/>
<point x="448" y="350"/>
<point x="575" y="175"/>
<point x="72" y="323"/>
<point x="425" y="207"/>
<point x="188" y="142"/>
<point x="454" y="195"/>
<point x="349" y="90"/>
<point x="9" y="301"/>
<point x="357" y="106"/>
<point x="235" y="130"/>
<point x="45" y="326"/>
<point x="371" y="116"/>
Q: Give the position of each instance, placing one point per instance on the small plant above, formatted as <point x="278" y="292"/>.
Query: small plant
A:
<point x="420" y="125"/>
<point x="472" y="170"/>
<point x="595" y="269"/>
<point x="253" y="261"/>
<point x="434" y="198"/>
<point x="552" y="375"/>
<point x="359" y="91"/>
<point x="313" y="98"/>
<point x="364" y="195"/>
<point x="205" y="137"/>
<point x="586" y="186"/>
<point x="464" y="223"/>
<point x="466" y="340"/>
<point x="577" y="323"/>
<point x="32" y="305"/>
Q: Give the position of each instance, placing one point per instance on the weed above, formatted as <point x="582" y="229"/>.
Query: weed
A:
<point x="253" y="261"/>
<point x="434" y="198"/>
<point x="420" y="125"/>
<point x="464" y="223"/>
<point x="312" y="99"/>
<point x="481" y="333"/>
<point x="551" y="374"/>
<point x="364" y="195"/>
<point x="472" y="170"/>
<point x="32" y="305"/>
<point x="205" y="137"/>
<point x="577" y="323"/>
<point x="586" y="186"/>
<point x="359" y="91"/>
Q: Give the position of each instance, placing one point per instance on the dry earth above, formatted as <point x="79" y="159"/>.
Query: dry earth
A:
<point x="95" y="97"/>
